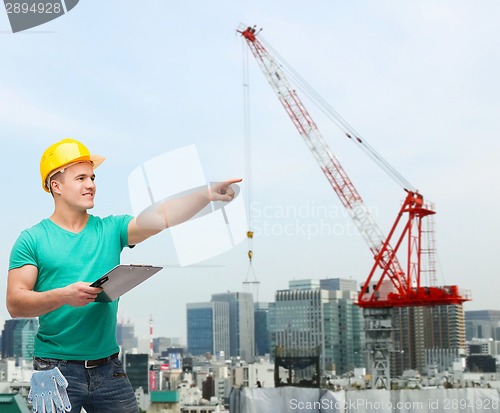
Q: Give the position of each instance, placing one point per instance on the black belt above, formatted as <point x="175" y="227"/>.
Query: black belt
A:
<point x="87" y="363"/>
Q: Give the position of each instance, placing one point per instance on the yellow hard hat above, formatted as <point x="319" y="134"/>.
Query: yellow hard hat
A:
<point x="65" y="152"/>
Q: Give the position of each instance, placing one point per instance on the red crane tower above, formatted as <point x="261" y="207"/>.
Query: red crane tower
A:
<point x="388" y="284"/>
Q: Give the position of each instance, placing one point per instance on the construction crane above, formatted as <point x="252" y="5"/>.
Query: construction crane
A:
<point x="389" y="283"/>
<point x="406" y="286"/>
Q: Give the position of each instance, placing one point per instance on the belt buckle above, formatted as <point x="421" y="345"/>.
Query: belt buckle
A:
<point x="87" y="365"/>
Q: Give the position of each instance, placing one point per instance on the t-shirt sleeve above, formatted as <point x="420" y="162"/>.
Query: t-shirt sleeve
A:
<point x="23" y="252"/>
<point x="125" y="220"/>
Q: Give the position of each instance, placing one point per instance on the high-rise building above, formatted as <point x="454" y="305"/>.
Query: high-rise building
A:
<point x="306" y="284"/>
<point x="339" y="284"/>
<point x="261" y="329"/>
<point x="482" y="324"/>
<point x="161" y="344"/>
<point x="306" y="319"/>
<point x="125" y="336"/>
<point x="346" y="336"/>
<point x="241" y="323"/>
<point x="208" y="328"/>
<point x="438" y="328"/>
<point x="137" y="368"/>
<point x="18" y="338"/>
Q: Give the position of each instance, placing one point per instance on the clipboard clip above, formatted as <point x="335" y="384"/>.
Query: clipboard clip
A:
<point x="99" y="282"/>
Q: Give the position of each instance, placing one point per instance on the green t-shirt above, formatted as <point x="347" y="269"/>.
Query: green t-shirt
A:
<point x="62" y="258"/>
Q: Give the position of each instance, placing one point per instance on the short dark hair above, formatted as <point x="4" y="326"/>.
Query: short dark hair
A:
<point x="56" y="177"/>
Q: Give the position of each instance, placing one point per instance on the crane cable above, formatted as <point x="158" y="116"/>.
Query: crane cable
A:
<point x="248" y="164"/>
<point x="341" y="123"/>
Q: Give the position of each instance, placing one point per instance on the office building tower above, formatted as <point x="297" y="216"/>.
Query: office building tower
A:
<point x="319" y="320"/>
<point x="137" y="368"/>
<point x="161" y="344"/>
<point x="200" y="328"/>
<point x="18" y="338"/>
<point x="438" y="328"/>
<point x="338" y="284"/>
<point x="306" y="284"/>
<point x="241" y="323"/>
<point x="261" y="329"/>
<point x="482" y="324"/>
<point x="125" y="336"/>
<point x="208" y="328"/>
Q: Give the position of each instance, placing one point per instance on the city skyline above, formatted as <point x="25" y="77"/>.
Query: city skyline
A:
<point x="417" y="80"/>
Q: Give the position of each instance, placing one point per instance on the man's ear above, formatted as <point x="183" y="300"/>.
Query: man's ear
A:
<point x="55" y="187"/>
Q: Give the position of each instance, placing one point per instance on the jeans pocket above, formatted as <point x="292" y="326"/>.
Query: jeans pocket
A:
<point x="118" y="368"/>
<point x="44" y="364"/>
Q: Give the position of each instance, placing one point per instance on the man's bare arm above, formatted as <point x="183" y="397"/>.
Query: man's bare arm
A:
<point x="178" y="210"/>
<point x="22" y="301"/>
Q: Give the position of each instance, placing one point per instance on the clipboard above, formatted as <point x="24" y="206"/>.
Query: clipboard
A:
<point x="121" y="279"/>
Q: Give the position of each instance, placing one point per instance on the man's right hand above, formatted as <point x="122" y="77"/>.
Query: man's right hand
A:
<point x="22" y="301"/>
<point x="80" y="294"/>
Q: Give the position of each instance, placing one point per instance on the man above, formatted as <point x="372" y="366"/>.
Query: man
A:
<point x="53" y="264"/>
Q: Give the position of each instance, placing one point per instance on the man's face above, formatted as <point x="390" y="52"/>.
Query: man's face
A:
<point x="76" y="185"/>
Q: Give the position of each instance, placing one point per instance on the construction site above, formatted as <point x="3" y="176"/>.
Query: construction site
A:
<point x="410" y="320"/>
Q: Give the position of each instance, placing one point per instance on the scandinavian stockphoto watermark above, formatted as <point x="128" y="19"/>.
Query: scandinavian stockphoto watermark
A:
<point x="26" y="14"/>
<point x="217" y="228"/>
<point x="308" y="220"/>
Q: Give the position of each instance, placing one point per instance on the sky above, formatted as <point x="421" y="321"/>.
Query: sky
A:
<point x="136" y="79"/>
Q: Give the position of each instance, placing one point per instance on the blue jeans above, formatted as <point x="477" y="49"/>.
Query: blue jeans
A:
<point x="102" y="389"/>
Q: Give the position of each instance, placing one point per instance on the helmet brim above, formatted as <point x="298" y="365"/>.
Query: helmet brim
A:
<point x="95" y="160"/>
